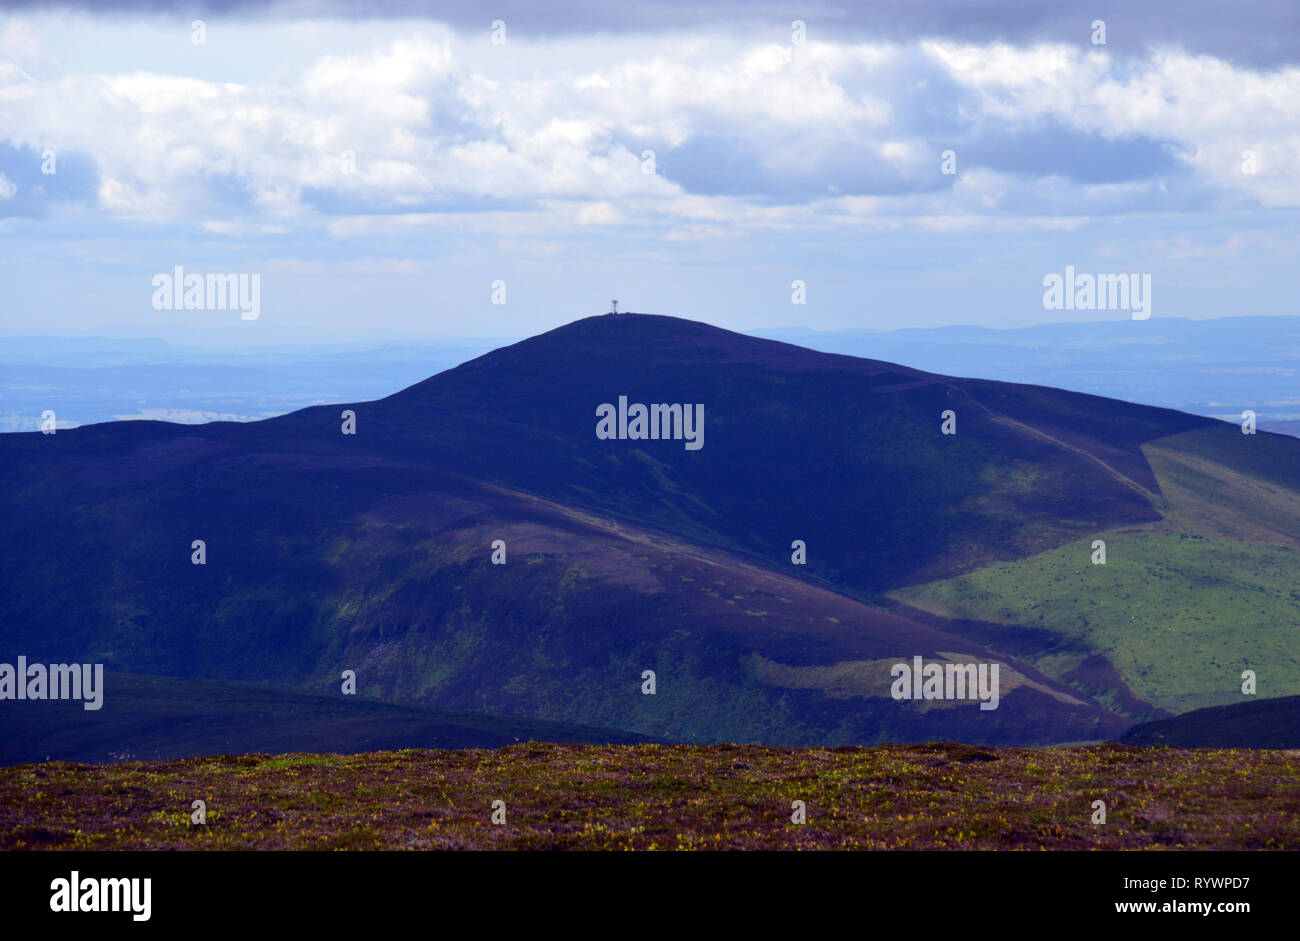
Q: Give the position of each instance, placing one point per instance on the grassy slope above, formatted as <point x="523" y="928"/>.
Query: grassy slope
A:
<point x="668" y="797"/>
<point x="1182" y="606"/>
<point x="1180" y="616"/>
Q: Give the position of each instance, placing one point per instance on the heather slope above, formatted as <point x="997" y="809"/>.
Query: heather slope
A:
<point x="912" y="797"/>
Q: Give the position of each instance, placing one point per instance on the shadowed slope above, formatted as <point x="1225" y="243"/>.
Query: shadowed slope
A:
<point x="1253" y="723"/>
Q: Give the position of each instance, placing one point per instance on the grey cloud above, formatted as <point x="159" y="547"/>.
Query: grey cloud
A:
<point x="1261" y="34"/>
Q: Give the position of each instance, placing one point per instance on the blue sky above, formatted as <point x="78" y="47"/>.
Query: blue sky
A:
<point x="380" y="173"/>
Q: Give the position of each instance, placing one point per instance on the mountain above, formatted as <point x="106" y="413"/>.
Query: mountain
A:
<point x="1217" y="367"/>
<point x="1262" y="723"/>
<point x="372" y="551"/>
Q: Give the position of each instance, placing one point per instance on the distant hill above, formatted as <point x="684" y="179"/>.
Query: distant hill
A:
<point x="1253" y="723"/>
<point x="89" y="380"/>
<point x="373" y="551"/>
<point x="1216" y="367"/>
<point x="154" y="718"/>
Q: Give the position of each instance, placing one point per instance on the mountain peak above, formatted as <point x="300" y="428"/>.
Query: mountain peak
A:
<point x="638" y="340"/>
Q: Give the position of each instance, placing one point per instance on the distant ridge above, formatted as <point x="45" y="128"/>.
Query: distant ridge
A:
<point x="1254" y="723"/>
<point x="156" y="718"/>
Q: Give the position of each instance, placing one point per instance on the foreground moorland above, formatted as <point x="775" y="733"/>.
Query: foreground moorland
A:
<point x="939" y="796"/>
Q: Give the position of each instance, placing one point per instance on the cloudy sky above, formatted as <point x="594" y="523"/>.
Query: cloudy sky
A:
<point x="381" y="169"/>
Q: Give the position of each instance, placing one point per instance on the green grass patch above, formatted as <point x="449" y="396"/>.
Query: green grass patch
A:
<point x="1180" y="616"/>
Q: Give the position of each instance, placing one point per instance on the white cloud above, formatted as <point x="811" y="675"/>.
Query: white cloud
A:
<point x="426" y="130"/>
<point x="1213" y="109"/>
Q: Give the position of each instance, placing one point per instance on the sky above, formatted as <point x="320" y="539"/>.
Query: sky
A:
<point x="467" y="169"/>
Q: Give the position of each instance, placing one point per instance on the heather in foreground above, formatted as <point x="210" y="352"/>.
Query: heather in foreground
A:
<point x="667" y="797"/>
